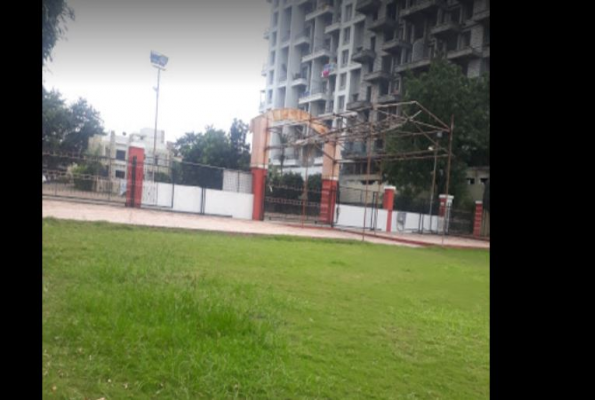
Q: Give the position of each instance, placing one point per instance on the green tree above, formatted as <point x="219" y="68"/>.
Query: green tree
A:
<point x="215" y="148"/>
<point x="68" y="128"/>
<point x="54" y="14"/>
<point x="237" y="135"/>
<point x="446" y="92"/>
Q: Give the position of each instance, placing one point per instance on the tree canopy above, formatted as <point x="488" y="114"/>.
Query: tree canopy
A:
<point x="217" y="148"/>
<point x="54" y="14"/>
<point x="446" y="92"/>
<point x="68" y="128"/>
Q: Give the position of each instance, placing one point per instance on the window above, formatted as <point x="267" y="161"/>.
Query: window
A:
<point x="120" y="174"/>
<point x="373" y="43"/>
<point x="271" y="77"/>
<point x="344" y="57"/>
<point x="470" y="181"/>
<point x="270" y="96"/>
<point x="342" y="81"/>
<point x="341" y="103"/>
<point x="346" y="35"/>
<point x="348" y="11"/>
<point x="121" y="155"/>
<point x="484" y="180"/>
<point x="274" y="39"/>
<point x="275" y="19"/>
<point x="272" y="58"/>
<point x="368" y="93"/>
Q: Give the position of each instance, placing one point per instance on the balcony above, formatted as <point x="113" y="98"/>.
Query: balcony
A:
<point x="420" y="9"/>
<point x="377" y="76"/>
<point x="302" y="38"/>
<point x="481" y="16"/>
<point x="385" y="24"/>
<point x="328" y="70"/>
<point x="285" y="39"/>
<point x="394" y="46"/>
<point x="323" y="9"/>
<point x="358" y="105"/>
<point x="367" y="6"/>
<point x="282" y="79"/>
<point x="314" y="95"/>
<point x="464" y="54"/>
<point x="419" y="64"/>
<point x="318" y="52"/>
<point x="446" y="29"/>
<point x="359" y="18"/>
<point x="362" y="55"/>
<point x="264" y="70"/>
<point x="334" y="27"/>
<point x="389" y="98"/>
<point x="299" y="80"/>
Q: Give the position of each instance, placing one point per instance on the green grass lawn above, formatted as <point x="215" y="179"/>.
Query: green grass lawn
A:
<point x="132" y="312"/>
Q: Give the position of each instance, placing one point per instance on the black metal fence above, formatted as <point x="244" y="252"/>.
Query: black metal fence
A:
<point x="99" y="178"/>
<point x="283" y="202"/>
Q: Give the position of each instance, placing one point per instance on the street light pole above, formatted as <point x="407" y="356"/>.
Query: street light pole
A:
<point x="156" y="116"/>
<point x="159" y="61"/>
<point x="435" y="148"/>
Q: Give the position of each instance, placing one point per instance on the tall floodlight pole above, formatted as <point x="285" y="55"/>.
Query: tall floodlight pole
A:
<point x="158" y="61"/>
<point x="435" y="148"/>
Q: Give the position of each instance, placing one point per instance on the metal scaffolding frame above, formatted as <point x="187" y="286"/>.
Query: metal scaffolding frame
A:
<point x="382" y="122"/>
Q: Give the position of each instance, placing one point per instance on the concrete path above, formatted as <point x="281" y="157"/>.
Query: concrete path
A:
<point x="64" y="209"/>
<point x="134" y="216"/>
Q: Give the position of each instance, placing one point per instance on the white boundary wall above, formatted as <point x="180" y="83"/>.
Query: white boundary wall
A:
<point x="353" y="216"/>
<point x="229" y="204"/>
<point x="189" y="199"/>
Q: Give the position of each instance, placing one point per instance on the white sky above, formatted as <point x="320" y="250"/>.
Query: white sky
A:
<point x="215" y="47"/>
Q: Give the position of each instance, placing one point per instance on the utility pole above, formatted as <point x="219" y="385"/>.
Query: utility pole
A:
<point x="159" y="61"/>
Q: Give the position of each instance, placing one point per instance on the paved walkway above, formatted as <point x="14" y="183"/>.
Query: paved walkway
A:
<point x="64" y="209"/>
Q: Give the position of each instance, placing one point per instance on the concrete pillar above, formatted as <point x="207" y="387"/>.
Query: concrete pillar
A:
<point x="259" y="164"/>
<point x="135" y="176"/>
<point x="445" y="204"/>
<point x="478" y="218"/>
<point x="328" y="200"/>
<point x="387" y="204"/>
<point x="330" y="182"/>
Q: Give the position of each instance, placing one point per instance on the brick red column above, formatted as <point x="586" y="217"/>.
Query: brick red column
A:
<point x="134" y="191"/>
<point x="259" y="176"/>
<point x="328" y="199"/>
<point x="387" y="204"/>
<point x="478" y="218"/>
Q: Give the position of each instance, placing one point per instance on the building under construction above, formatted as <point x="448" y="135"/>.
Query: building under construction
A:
<point x="331" y="57"/>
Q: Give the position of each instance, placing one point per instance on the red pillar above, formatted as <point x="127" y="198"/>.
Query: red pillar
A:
<point x="328" y="199"/>
<point x="478" y="218"/>
<point x="387" y="204"/>
<point x="259" y="176"/>
<point x="135" y="176"/>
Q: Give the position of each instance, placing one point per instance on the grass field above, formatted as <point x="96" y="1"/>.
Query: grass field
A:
<point x="131" y="312"/>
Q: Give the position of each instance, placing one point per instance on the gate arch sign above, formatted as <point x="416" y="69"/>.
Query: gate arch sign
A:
<point x="259" y="160"/>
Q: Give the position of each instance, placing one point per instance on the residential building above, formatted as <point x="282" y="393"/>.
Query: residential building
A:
<point x="336" y="56"/>
<point x="115" y="147"/>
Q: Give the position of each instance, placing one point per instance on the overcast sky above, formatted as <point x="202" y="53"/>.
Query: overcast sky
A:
<point x="215" y="47"/>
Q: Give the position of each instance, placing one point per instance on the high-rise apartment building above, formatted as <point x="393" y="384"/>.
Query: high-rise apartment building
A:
<point x="340" y="56"/>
